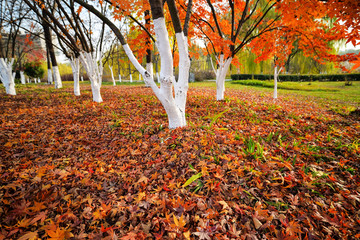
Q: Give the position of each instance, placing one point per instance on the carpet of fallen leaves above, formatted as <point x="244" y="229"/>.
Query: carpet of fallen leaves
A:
<point x="248" y="167"/>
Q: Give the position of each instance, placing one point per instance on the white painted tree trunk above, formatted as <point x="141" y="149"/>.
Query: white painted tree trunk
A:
<point x="50" y="79"/>
<point x="112" y="75"/>
<point x="22" y="77"/>
<point x="174" y="106"/>
<point x="277" y="71"/>
<point x="149" y="69"/>
<point x="95" y="88"/>
<point x="38" y="80"/>
<point x="101" y="69"/>
<point x="57" y="77"/>
<point x="82" y="78"/>
<point x="7" y="76"/>
<point x="93" y="71"/>
<point x="131" y="78"/>
<point x="75" y="66"/>
<point x="158" y="77"/>
<point x="119" y="77"/>
<point x="221" y="75"/>
<point x="182" y="85"/>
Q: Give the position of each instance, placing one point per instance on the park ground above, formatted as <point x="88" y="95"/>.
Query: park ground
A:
<point x="248" y="167"/>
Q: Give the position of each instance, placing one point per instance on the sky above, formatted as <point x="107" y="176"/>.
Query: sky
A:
<point x="349" y="46"/>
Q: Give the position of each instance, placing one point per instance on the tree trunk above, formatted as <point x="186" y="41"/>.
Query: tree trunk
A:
<point x="6" y="75"/>
<point x="57" y="77"/>
<point x="95" y="88"/>
<point x="50" y="79"/>
<point x="112" y="75"/>
<point x="92" y="69"/>
<point x="165" y="92"/>
<point x="221" y="75"/>
<point x="176" y="116"/>
<point x="277" y="71"/>
<point x="75" y="66"/>
<point x="49" y="45"/>
<point x="150" y="69"/>
<point x="182" y="85"/>
<point x="22" y="77"/>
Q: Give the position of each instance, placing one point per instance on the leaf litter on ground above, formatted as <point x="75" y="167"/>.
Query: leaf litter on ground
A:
<point x="249" y="167"/>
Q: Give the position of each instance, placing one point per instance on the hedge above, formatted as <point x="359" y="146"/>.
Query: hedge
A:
<point x="300" y="77"/>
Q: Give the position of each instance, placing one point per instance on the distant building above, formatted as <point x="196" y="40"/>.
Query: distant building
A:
<point x="38" y="43"/>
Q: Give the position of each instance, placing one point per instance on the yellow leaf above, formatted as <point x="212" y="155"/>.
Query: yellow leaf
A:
<point x="140" y="196"/>
<point x="24" y="223"/>
<point x="187" y="235"/>
<point x="97" y="215"/>
<point x="179" y="223"/>
<point x="38" y="206"/>
<point x="58" y="234"/>
<point x="29" y="236"/>
<point x="8" y="144"/>
<point x="176" y="221"/>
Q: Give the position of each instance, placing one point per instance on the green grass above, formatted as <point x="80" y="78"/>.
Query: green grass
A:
<point x="323" y="90"/>
<point x="299" y="86"/>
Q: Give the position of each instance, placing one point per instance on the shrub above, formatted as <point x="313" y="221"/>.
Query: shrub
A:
<point x="204" y="75"/>
<point x="300" y="77"/>
<point x="34" y="70"/>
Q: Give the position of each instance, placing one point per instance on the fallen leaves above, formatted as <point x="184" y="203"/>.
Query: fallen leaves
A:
<point x="29" y="236"/>
<point x="80" y="170"/>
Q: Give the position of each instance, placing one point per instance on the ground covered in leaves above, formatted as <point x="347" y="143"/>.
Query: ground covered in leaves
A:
<point x="248" y="167"/>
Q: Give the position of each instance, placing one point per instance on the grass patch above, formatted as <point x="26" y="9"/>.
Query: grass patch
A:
<point x="306" y="86"/>
<point x="348" y="95"/>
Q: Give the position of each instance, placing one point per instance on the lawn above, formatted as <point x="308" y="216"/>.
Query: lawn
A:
<point x="347" y="95"/>
<point x="249" y="167"/>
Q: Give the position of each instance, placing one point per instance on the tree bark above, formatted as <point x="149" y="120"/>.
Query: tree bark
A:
<point x="149" y="67"/>
<point x="50" y="47"/>
<point x="50" y="79"/>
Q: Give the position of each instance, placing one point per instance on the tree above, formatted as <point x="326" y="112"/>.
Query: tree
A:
<point x="34" y="69"/>
<point x="72" y="31"/>
<point x="228" y="26"/>
<point x="347" y="15"/>
<point x="298" y="29"/>
<point x="12" y="45"/>
<point x="173" y="103"/>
